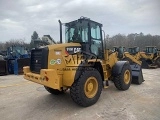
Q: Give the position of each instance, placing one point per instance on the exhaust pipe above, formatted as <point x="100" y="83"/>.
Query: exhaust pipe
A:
<point x="60" y="26"/>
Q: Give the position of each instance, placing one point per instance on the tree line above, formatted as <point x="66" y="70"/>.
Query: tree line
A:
<point x="132" y="40"/>
<point x="21" y="42"/>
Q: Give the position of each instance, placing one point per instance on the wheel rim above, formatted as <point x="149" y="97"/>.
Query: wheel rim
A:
<point x="127" y="76"/>
<point x="91" y="87"/>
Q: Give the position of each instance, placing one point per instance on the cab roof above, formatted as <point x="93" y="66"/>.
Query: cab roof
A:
<point x="83" y="19"/>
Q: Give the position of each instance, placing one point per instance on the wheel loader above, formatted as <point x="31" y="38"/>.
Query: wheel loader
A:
<point x="151" y="57"/>
<point x="129" y="55"/>
<point x="81" y="64"/>
<point x="135" y="52"/>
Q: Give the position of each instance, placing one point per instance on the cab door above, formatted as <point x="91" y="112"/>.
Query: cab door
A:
<point x="96" y="40"/>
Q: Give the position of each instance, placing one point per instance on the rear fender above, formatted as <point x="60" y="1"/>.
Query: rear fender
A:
<point x="80" y="69"/>
<point x="70" y="74"/>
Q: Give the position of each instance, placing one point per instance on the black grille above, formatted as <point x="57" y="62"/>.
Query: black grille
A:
<point x="39" y="60"/>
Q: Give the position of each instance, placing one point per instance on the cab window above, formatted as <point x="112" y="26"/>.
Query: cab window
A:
<point x="95" y="31"/>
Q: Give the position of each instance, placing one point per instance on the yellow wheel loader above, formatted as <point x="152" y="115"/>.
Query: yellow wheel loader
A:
<point x="151" y="57"/>
<point x="124" y="54"/>
<point x="135" y="52"/>
<point x="81" y="64"/>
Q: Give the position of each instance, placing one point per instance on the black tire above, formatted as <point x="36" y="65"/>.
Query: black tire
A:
<point x="119" y="81"/>
<point x="157" y="62"/>
<point x="78" y="91"/>
<point x="53" y="91"/>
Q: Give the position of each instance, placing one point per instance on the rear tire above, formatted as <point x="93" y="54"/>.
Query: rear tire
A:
<point x="123" y="80"/>
<point x="86" y="90"/>
<point x="53" y="91"/>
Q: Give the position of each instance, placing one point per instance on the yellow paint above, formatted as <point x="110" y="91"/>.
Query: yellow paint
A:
<point x="47" y="77"/>
<point x="134" y="58"/>
<point x="146" y="56"/>
<point x="127" y="76"/>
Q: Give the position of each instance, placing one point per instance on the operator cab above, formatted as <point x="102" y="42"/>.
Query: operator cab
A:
<point x="121" y="50"/>
<point x="86" y="32"/>
<point x="115" y="48"/>
<point x="133" y="50"/>
<point x="151" y="49"/>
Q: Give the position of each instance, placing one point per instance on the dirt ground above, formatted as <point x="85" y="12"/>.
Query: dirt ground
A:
<point x="24" y="100"/>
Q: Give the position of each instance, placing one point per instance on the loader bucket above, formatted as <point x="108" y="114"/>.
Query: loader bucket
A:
<point x="137" y="76"/>
<point x="3" y="67"/>
<point x="146" y="63"/>
<point x="18" y="68"/>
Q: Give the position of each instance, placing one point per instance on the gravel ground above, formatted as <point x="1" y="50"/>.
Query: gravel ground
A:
<point x="21" y="99"/>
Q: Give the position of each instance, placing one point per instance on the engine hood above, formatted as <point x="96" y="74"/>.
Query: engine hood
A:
<point x="63" y="45"/>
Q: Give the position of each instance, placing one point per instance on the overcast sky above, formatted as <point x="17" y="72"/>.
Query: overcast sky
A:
<point x="19" y="18"/>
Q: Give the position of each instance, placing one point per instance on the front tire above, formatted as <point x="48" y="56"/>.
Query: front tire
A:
<point x="86" y="90"/>
<point x="124" y="79"/>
